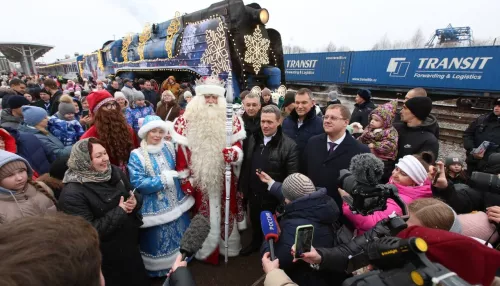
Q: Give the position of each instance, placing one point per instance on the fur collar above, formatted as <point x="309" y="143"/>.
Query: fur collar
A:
<point x="153" y="149"/>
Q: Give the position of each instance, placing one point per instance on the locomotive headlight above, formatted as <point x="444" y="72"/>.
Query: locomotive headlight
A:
<point x="264" y="16"/>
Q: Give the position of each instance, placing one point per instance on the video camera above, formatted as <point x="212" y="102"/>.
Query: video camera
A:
<point x="402" y="262"/>
<point x="485" y="182"/>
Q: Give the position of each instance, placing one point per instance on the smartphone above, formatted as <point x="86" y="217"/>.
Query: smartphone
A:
<point x="85" y="113"/>
<point x="303" y="239"/>
<point x="259" y="170"/>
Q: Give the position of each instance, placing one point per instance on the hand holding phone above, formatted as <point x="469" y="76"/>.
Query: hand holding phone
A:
<point x="303" y="240"/>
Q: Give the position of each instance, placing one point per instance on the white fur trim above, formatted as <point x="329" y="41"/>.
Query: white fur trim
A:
<point x="240" y="135"/>
<point x="210" y="89"/>
<point x="240" y="155"/>
<point x="213" y="238"/>
<point x="157" y="264"/>
<point x="184" y="173"/>
<point x="178" y="138"/>
<point x="170" y="126"/>
<point x="242" y="225"/>
<point x="154" y="149"/>
<point x="170" y="216"/>
<point x="237" y="170"/>
<point x="152" y="125"/>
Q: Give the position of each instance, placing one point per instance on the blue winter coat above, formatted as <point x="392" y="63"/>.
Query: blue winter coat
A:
<point x="68" y="132"/>
<point x="31" y="149"/>
<point x="160" y="206"/>
<point x="134" y="114"/>
<point x="321" y="211"/>
<point x="313" y="125"/>
<point x="52" y="146"/>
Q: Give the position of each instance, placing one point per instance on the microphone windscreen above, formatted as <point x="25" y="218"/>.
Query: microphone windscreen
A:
<point x="269" y="225"/>
<point x="195" y="235"/>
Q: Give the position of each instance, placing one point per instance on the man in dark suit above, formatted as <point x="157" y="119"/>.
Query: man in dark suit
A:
<point x="326" y="154"/>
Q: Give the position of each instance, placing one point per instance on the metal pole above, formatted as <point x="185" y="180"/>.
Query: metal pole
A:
<point x="25" y="59"/>
<point x="229" y="133"/>
<point x="32" y="62"/>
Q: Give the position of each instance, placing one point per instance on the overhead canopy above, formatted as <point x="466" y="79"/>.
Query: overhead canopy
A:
<point x="14" y="51"/>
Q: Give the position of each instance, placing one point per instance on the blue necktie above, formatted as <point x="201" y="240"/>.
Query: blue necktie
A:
<point x="332" y="147"/>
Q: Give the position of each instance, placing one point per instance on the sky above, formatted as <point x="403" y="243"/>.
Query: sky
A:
<point x="83" y="27"/>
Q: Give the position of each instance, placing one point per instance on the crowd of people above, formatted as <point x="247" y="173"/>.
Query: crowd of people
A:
<point x="136" y="160"/>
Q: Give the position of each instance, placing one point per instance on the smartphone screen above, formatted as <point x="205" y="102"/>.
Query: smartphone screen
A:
<point x="85" y="113"/>
<point x="303" y="239"/>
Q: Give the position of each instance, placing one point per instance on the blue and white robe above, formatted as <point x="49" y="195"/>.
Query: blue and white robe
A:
<point x="164" y="208"/>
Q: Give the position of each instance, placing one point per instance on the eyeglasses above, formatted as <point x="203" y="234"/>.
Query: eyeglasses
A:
<point x="109" y="106"/>
<point x="333" y="118"/>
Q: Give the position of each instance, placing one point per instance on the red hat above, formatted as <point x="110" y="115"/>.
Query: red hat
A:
<point x="97" y="99"/>
<point x="472" y="261"/>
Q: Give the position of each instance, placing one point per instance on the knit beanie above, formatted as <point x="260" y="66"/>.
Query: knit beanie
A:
<point x="66" y="105"/>
<point x="33" y="115"/>
<point x="421" y="107"/>
<point x="138" y="95"/>
<point x="120" y="94"/>
<point x="296" y="186"/>
<point x="367" y="168"/>
<point x="17" y="101"/>
<point x="266" y="91"/>
<point x="289" y="98"/>
<point x="450" y="160"/>
<point x="413" y="168"/>
<point x="478" y="225"/>
<point x="9" y="168"/>
<point x="187" y="94"/>
<point x="365" y="94"/>
<point x="386" y="112"/>
<point x="59" y="167"/>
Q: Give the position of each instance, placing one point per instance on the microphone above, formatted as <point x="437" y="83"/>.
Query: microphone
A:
<point x="195" y="235"/>
<point x="271" y="230"/>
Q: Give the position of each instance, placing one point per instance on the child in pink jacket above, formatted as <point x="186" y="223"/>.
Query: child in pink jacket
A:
<point x="412" y="181"/>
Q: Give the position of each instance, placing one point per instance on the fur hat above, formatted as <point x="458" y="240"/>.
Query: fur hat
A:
<point x="386" y="112"/>
<point x="421" y="107"/>
<point x="33" y="115"/>
<point x="210" y="85"/>
<point x="413" y="168"/>
<point x="364" y="94"/>
<point x="151" y="122"/>
<point x="98" y="98"/>
<point x="296" y="186"/>
<point x="66" y="105"/>
<point x="367" y="168"/>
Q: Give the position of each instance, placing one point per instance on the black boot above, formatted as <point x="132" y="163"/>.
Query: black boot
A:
<point x="249" y="249"/>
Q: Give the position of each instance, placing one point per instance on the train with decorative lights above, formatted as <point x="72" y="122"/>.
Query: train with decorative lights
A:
<point x="228" y="36"/>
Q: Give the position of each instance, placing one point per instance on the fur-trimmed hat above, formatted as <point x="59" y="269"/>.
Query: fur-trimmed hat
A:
<point x="210" y="85"/>
<point x="151" y="122"/>
<point x="97" y="99"/>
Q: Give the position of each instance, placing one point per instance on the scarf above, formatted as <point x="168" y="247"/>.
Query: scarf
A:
<point x="80" y="168"/>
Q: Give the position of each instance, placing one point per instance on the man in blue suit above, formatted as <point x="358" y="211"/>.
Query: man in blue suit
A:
<point x="326" y="154"/>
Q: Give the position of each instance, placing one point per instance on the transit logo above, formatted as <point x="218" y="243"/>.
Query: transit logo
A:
<point x="398" y="67"/>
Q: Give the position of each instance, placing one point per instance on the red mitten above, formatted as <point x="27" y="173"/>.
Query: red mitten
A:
<point x="230" y="155"/>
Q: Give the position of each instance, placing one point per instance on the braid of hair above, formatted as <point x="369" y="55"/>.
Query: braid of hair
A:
<point x="42" y="190"/>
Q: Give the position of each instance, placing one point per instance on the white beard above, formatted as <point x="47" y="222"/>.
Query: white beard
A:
<point x="206" y="136"/>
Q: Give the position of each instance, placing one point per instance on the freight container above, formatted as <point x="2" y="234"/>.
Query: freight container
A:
<point x="318" y="68"/>
<point x="452" y="70"/>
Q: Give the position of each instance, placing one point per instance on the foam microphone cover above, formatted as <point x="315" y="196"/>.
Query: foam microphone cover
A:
<point x="269" y="225"/>
<point x="195" y="235"/>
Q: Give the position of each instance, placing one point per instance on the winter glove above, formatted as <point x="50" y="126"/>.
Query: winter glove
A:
<point x="230" y="155"/>
<point x="168" y="177"/>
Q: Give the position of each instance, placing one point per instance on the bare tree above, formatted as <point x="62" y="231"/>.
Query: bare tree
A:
<point x="482" y="42"/>
<point x="331" y="47"/>
<point x="289" y="49"/>
<point x="383" y="44"/>
<point x="344" y="49"/>
<point x="417" y="41"/>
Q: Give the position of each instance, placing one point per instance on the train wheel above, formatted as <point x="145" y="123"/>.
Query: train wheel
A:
<point x="464" y="103"/>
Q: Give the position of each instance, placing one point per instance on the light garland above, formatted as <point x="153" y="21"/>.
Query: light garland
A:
<point x="143" y="38"/>
<point x="257" y="47"/>
<point x="80" y="66"/>
<point x="100" y="63"/>
<point x="216" y="55"/>
<point x="153" y="69"/>
<point x="125" y="43"/>
<point x="172" y="29"/>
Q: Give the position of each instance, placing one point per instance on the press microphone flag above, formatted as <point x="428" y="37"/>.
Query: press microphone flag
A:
<point x="271" y="230"/>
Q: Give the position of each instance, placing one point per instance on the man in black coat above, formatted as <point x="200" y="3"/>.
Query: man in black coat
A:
<point x="274" y="153"/>
<point x="113" y="87"/>
<point x="416" y="134"/>
<point x="363" y="107"/>
<point x="326" y="154"/>
<point x="416" y="92"/>
<point x="303" y="123"/>
<point x="484" y="128"/>
<point x="149" y="94"/>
